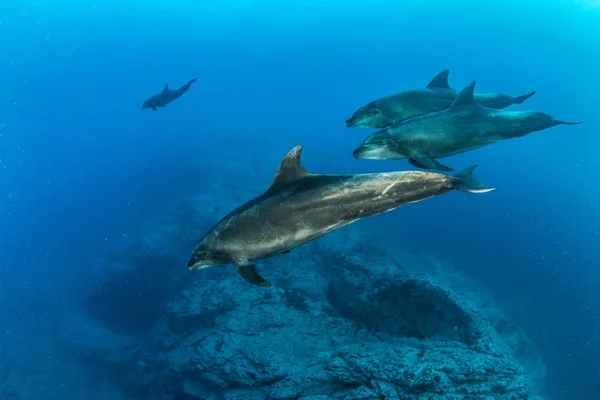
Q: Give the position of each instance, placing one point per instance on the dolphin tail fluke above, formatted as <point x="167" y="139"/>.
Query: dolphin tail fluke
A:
<point x="466" y="181"/>
<point x="192" y="81"/>
<point x="521" y="99"/>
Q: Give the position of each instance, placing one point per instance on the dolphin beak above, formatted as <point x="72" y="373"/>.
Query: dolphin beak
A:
<point x="375" y="152"/>
<point x="357" y="153"/>
<point x="197" y="263"/>
<point x="194" y="263"/>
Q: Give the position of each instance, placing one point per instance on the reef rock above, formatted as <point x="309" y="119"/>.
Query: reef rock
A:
<point x="339" y="323"/>
<point x="346" y="318"/>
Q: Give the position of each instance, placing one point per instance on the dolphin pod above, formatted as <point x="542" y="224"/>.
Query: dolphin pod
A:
<point x="299" y="207"/>
<point x="421" y="125"/>
<point x="464" y="126"/>
<point x="436" y="96"/>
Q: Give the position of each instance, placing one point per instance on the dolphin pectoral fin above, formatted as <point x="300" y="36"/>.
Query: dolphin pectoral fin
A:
<point x="440" y="81"/>
<point x="248" y="271"/>
<point x="521" y="99"/>
<point x="417" y="164"/>
<point x="427" y="162"/>
<point x="154" y="108"/>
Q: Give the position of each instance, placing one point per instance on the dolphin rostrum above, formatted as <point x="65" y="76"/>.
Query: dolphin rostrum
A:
<point x="436" y="96"/>
<point x="462" y="127"/>
<point x="299" y="207"/>
<point x="166" y="96"/>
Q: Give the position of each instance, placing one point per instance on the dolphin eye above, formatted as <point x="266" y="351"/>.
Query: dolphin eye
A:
<point x="375" y="112"/>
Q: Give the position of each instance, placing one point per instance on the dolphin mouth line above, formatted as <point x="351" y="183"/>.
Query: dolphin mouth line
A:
<point x="195" y="266"/>
<point x="358" y="153"/>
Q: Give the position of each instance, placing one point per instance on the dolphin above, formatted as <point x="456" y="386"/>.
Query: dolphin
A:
<point x="462" y="127"/>
<point x="166" y="96"/>
<point x="299" y="207"/>
<point x="436" y="96"/>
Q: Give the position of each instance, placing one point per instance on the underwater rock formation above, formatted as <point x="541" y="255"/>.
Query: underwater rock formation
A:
<point x="343" y="321"/>
<point x="346" y="318"/>
<point x="283" y="346"/>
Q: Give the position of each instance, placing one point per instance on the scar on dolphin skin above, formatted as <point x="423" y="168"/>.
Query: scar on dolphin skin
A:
<point x="300" y="207"/>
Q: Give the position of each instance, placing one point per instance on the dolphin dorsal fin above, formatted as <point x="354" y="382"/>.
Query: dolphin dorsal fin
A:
<point x="290" y="168"/>
<point x="166" y="88"/>
<point x="465" y="97"/>
<point x="440" y="80"/>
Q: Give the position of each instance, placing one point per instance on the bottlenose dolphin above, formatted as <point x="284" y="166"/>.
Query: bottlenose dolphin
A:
<point x="299" y="207"/>
<point x="166" y="96"/>
<point x="436" y="96"/>
<point x="462" y="127"/>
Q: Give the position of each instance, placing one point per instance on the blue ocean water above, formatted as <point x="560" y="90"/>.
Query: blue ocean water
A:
<point x="83" y="168"/>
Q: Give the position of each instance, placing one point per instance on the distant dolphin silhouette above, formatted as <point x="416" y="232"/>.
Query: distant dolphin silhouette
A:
<point x="462" y="127"/>
<point x="300" y="207"/>
<point x="436" y="96"/>
<point x="166" y="96"/>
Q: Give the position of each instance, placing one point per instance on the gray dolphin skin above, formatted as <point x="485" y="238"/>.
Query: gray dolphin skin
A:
<point x="436" y="96"/>
<point x="462" y="127"/>
<point x="299" y="207"/>
<point x="166" y="96"/>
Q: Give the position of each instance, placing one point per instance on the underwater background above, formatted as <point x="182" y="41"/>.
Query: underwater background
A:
<point x="101" y="202"/>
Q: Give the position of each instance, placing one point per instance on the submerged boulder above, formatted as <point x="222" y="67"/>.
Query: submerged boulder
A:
<point x="346" y="318"/>
<point x="277" y="348"/>
<point x="368" y="329"/>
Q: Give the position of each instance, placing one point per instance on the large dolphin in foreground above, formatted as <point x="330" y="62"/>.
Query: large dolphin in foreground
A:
<point x="166" y="96"/>
<point x="299" y="207"/>
<point x="462" y="127"/>
<point x="436" y="96"/>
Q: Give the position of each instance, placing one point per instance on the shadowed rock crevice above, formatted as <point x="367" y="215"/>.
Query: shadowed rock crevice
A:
<point x="410" y="308"/>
